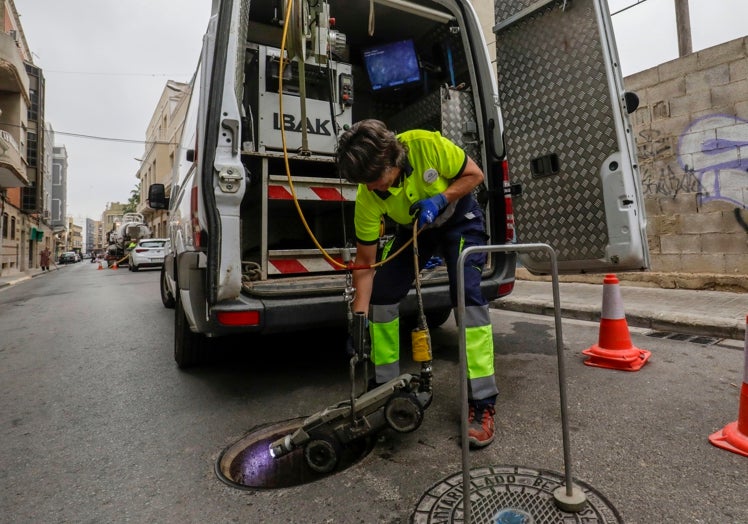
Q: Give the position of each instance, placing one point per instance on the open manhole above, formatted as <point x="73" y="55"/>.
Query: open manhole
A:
<point x="247" y="464"/>
<point x="510" y="495"/>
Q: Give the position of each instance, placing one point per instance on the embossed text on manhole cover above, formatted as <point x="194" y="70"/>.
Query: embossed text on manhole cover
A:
<point x="510" y="494"/>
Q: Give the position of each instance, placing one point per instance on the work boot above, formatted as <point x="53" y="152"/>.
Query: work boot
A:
<point x="480" y="423"/>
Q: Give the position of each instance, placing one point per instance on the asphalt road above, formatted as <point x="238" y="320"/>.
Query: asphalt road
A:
<point x="99" y="425"/>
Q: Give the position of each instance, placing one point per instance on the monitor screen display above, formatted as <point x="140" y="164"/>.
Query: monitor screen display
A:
<point x="392" y="65"/>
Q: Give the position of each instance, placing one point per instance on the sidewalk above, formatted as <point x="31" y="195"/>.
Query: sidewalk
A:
<point x="720" y="314"/>
<point x="17" y="278"/>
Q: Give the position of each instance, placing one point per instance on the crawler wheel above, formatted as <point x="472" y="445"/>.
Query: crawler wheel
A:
<point x="322" y="452"/>
<point x="403" y="413"/>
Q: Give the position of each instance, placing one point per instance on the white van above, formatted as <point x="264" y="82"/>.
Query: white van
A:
<point x="260" y="222"/>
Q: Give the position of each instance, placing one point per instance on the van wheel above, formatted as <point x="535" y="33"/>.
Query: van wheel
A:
<point x="437" y="317"/>
<point x="434" y="319"/>
<point x="188" y="346"/>
<point x="166" y="297"/>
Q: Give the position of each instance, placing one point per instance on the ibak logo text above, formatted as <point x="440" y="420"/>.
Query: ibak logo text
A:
<point x="318" y="127"/>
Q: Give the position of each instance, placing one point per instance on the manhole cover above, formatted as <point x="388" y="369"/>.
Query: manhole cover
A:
<point x="247" y="464"/>
<point x="509" y="495"/>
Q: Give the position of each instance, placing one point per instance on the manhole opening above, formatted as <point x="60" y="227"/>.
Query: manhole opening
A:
<point x="247" y="464"/>
<point x="695" y="339"/>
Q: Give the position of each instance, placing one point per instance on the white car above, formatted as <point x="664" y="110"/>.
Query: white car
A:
<point x="148" y="252"/>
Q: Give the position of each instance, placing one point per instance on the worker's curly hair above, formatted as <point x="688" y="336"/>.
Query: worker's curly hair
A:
<point x="367" y="149"/>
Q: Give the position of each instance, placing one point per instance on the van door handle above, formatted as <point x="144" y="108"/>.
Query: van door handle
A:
<point x="232" y="124"/>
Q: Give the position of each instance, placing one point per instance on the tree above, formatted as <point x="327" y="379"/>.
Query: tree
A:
<point x="133" y="201"/>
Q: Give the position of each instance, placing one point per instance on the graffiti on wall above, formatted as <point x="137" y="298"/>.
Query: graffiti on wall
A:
<point x="659" y="168"/>
<point x="711" y="159"/>
<point x="715" y="147"/>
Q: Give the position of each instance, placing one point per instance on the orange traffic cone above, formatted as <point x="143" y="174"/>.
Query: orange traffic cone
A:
<point x="114" y="266"/>
<point x="734" y="436"/>
<point x="614" y="349"/>
<point x="100" y="266"/>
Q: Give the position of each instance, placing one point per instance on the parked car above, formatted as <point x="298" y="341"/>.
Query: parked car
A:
<point x="149" y="252"/>
<point x="68" y="257"/>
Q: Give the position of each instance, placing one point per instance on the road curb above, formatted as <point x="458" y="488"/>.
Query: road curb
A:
<point x="687" y="324"/>
<point x="14" y="282"/>
<point x="24" y="277"/>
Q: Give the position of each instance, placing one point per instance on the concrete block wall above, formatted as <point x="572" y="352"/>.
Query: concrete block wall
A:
<point x="691" y="132"/>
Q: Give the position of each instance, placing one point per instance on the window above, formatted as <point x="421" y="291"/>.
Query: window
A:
<point x="56" y="174"/>
<point x="5" y="225"/>
<point x="28" y="198"/>
<point x="12" y="228"/>
<point x="33" y="112"/>
<point x="31" y="148"/>
<point x="56" y="210"/>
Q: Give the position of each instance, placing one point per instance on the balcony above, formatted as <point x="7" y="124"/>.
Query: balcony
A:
<point x="13" y="77"/>
<point x="12" y="165"/>
<point x="14" y="87"/>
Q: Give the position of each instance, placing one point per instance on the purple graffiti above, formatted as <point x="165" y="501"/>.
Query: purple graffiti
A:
<point x="715" y="149"/>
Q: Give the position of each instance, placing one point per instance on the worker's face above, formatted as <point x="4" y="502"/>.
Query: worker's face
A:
<point x="384" y="182"/>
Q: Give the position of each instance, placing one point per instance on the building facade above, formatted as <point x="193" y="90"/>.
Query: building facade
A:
<point x="25" y="176"/>
<point x="90" y="243"/>
<point x="162" y="139"/>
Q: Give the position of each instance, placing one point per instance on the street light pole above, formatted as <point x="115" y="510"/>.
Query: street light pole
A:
<point x="683" y="26"/>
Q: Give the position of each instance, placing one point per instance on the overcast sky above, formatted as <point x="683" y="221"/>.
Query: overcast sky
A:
<point x="106" y="63"/>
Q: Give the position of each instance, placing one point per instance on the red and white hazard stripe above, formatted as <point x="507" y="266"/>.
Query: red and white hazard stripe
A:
<point x="288" y="266"/>
<point x="309" y="192"/>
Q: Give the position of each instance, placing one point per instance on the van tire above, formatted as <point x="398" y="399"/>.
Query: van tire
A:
<point x="434" y="319"/>
<point x="437" y="317"/>
<point x="188" y="346"/>
<point x="166" y="297"/>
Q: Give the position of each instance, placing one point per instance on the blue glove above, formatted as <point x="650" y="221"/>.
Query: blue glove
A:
<point x="428" y="208"/>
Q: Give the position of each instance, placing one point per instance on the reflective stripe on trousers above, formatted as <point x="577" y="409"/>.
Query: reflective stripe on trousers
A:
<point x="393" y="281"/>
<point x="384" y="329"/>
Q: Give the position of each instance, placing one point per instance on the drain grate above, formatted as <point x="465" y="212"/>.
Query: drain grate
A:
<point x="510" y="494"/>
<point x="695" y="339"/>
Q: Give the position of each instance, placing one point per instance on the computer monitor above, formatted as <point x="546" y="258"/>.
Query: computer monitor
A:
<point x="392" y="66"/>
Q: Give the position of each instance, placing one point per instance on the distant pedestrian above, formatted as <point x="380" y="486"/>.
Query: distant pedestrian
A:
<point x="44" y="258"/>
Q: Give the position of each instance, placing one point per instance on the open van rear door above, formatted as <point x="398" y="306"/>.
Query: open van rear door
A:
<point x="570" y="146"/>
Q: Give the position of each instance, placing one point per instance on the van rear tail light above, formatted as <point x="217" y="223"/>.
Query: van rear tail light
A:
<point x="505" y="289"/>
<point x="510" y="233"/>
<point x="239" y="318"/>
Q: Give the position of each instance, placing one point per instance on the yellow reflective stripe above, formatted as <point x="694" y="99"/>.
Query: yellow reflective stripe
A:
<point x="479" y="349"/>
<point x="385" y="342"/>
<point x="387" y="248"/>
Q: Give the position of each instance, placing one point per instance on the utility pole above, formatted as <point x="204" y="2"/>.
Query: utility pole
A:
<point x="683" y="26"/>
